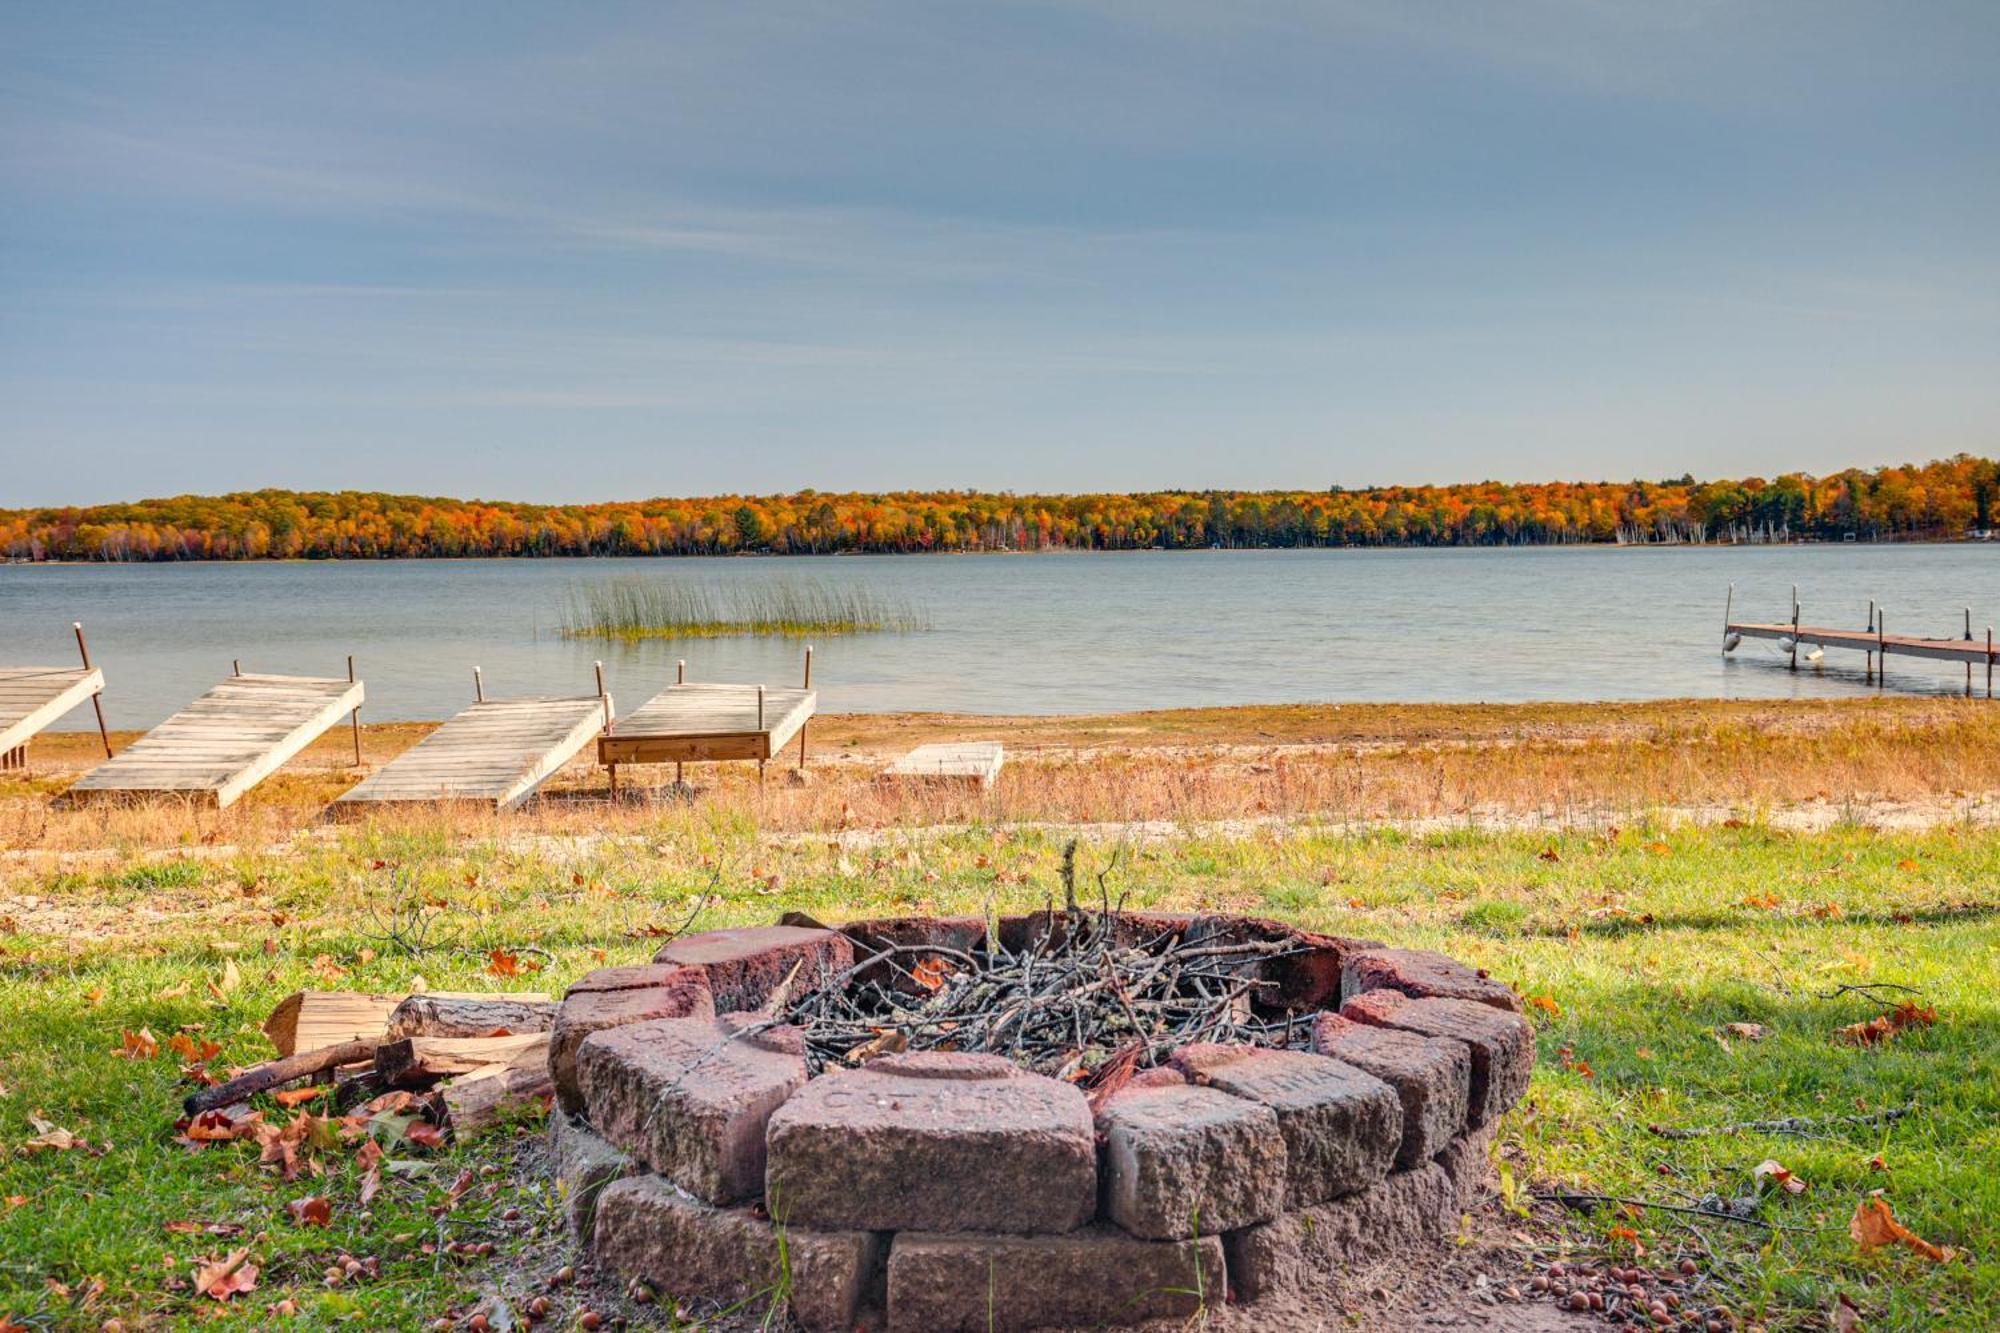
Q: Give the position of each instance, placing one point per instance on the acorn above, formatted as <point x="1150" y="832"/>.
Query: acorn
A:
<point x="590" y="1321"/>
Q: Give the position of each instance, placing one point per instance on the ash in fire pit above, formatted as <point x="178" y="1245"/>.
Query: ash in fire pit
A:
<point x="1065" y="1118"/>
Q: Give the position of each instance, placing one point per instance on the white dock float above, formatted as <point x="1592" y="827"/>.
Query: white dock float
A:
<point x="227" y="741"/>
<point x="496" y="752"/>
<point x="950" y="761"/>
<point x="32" y="698"/>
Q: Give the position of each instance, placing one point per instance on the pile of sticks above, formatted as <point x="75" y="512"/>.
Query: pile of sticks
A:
<point x="1078" y="1002"/>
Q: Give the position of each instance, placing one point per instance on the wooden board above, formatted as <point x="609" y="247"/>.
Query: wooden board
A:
<point x="691" y="723"/>
<point x="950" y="761"/>
<point x="496" y="753"/>
<point x="227" y="741"/>
<point x="32" y="698"/>
<point x="1861" y="640"/>
<point x="310" y="1019"/>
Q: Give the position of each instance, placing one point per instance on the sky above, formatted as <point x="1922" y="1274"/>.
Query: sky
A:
<point x="568" y="252"/>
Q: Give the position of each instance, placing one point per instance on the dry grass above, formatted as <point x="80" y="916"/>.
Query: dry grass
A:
<point x="1497" y="764"/>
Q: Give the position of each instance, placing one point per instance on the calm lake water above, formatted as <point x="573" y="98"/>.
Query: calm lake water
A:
<point x="1030" y="633"/>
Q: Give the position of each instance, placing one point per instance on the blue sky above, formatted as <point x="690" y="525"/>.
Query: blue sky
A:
<point x="568" y="252"/>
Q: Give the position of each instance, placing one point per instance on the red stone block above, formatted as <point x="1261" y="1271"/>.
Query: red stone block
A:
<point x="1342" y="1126"/>
<point x="646" y="1229"/>
<point x="1309" y="1249"/>
<point x="613" y="997"/>
<point x="690" y="1097"/>
<point x="745" y="964"/>
<point x="1086" y="1279"/>
<point x="1301" y="973"/>
<point x="1502" y="1044"/>
<point x="934" y="1142"/>
<point x="962" y="934"/>
<point x="1421" y="974"/>
<point x="1432" y="1077"/>
<point x="1180" y="1161"/>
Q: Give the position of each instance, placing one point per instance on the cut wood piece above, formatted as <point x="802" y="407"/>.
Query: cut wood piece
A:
<point x="276" y="1073"/>
<point x="33" y="698"/>
<point x="496" y="752"/>
<point x="476" y="1101"/>
<point x="307" y="1020"/>
<point x="693" y="723"/>
<point x="227" y="741"/>
<point x="974" y="763"/>
<point x="437" y="1014"/>
<point x="416" y="1061"/>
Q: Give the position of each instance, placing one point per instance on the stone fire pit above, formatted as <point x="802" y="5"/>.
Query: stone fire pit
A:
<point x="706" y="1129"/>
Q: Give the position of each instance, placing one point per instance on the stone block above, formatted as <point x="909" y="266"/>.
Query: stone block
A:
<point x="745" y="964"/>
<point x="934" y="1142"/>
<point x="1502" y="1044"/>
<point x="1302" y="972"/>
<point x="690" y="1098"/>
<point x="581" y="1164"/>
<point x="613" y="997"/>
<point x="1086" y="1279"/>
<point x="1129" y="930"/>
<point x="1342" y="1125"/>
<point x="687" y="1249"/>
<point x="1432" y="1077"/>
<point x="963" y="934"/>
<point x="1308" y="1249"/>
<point x="1421" y="974"/>
<point x="1467" y="1160"/>
<point x="1182" y="1161"/>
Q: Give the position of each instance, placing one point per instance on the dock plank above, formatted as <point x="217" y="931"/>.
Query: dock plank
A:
<point x="950" y="761"/>
<point x="498" y="752"/>
<point x="694" y="722"/>
<point x="227" y="741"/>
<point x="33" y="698"/>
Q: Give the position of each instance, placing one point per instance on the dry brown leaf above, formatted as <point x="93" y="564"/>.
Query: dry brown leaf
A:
<point x="1747" y="1031"/>
<point x="1884" y="1027"/>
<point x="312" y="1211"/>
<point x="1546" y="1005"/>
<point x="292" y="1097"/>
<point x="1777" y="1172"/>
<point x="140" y="1045"/>
<point x="228" y="1277"/>
<point x="369" y="1159"/>
<point x="1875" y="1225"/>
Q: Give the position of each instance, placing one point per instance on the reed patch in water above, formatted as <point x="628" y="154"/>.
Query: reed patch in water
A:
<point x="641" y="608"/>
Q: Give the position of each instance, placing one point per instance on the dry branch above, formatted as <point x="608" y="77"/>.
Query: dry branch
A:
<point x="264" y="1077"/>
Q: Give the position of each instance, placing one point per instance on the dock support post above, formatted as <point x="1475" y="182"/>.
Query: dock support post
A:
<point x="478" y="687"/>
<point x="767" y="739"/>
<point x="808" y="722"/>
<point x="1870" y="676"/>
<point x="1882" y="647"/>
<point x="680" y="678"/>
<point x="1795" y="627"/>
<point x="605" y="699"/>
<point x="1968" y="661"/>
<point x="354" y="718"/>
<point x="1989" y="661"/>
<point x="96" y="701"/>
<point x="1728" y="607"/>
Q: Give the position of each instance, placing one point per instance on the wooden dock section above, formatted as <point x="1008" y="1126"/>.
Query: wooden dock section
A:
<point x="497" y="752"/>
<point x="694" y="723"/>
<point x="227" y="741"/>
<point x="32" y="698"/>
<point x="950" y="762"/>
<point x="1975" y="651"/>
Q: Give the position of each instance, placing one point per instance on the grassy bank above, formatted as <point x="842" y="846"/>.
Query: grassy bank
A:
<point x="1642" y="935"/>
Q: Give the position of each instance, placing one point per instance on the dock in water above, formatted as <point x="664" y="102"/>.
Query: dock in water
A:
<point x="1875" y="641"/>
<point x="227" y="741"/>
<point x="496" y="752"/>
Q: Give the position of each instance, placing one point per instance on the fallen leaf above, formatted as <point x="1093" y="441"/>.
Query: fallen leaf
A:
<point x="174" y="992"/>
<point x="1846" y="1318"/>
<point x="1909" y="865"/>
<point x="140" y="1045"/>
<point x="1776" y="1171"/>
<point x="424" y="1134"/>
<point x="931" y="973"/>
<point x="1747" y="1031"/>
<point x="1545" y="1004"/>
<point x="51" y="1138"/>
<point x="1884" y="1027"/>
<point x="311" y="1211"/>
<point x="1875" y="1225"/>
<point x="369" y="1159"/>
<point x="1550" y="854"/>
<point x="229" y="1277"/>
<point x="229" y="981"/>
<point x="500" y="963"/>
<point x="292" y="1097"/>
<point x="1658" y="848"/>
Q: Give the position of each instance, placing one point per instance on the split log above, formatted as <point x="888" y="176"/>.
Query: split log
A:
<point x="273" y="1074"/>
<point x="419" y="1061"/>
<point x="474" y="1102"/>
<point x="308" y="1020"/>
<point x="458" y="1015"/>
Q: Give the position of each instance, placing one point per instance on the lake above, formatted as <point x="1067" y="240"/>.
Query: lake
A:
<point x="1027" y="633"/>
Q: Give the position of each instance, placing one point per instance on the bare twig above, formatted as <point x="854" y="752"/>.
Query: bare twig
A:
<point x="1799" y="1125"/>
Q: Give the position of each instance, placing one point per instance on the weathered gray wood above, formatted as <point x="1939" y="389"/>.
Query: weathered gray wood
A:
<point x="690" y="723"/>
<point x="227" y="741"/>
<point x="498" y="751"/>
<point x="950" y="761"/>
<point x="415" y="1061"/>
<point x="32" y="698"/>
<point x="1945" y="650"/>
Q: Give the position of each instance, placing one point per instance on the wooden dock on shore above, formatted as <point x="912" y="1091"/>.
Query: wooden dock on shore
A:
<point x="227" y="741"/>
<point x="497" y="752"/>
<point x="32" y="698"/>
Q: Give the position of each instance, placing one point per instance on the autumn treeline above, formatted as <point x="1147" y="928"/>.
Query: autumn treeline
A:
<point x="1943" y="499"/>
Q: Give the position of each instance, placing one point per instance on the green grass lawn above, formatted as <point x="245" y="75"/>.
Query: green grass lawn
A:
<point x="1645" y="945"/>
